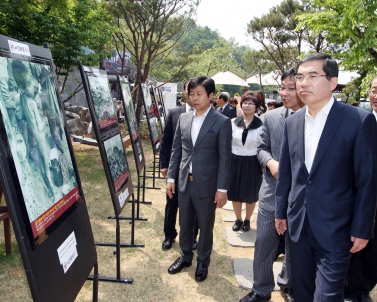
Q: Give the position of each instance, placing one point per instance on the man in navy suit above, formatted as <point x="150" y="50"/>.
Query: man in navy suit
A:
<point x="326" y="191"/>
<point x="171" y="207"/>
<point x="224" y="107"/>
<point x="362" y="272"/>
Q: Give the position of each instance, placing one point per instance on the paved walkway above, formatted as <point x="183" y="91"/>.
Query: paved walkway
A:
<point x="243" y="267"/>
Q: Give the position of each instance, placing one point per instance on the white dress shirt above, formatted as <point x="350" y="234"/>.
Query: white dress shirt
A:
<point x="375" y="114"/>
<point x="188" y="107"/>
<point x="197" y="122"/>
<point x="218" y="108"/>
<point x="251" y="143"/>
<point x="313" y="132"/>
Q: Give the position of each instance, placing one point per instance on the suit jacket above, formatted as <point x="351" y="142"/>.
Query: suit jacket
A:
<point x="269" y="144"/>
<point x="230" y="111"/>
<point x="339" y="194"/>
<point x="210" y="157"/>
<point x="167" y="139"/>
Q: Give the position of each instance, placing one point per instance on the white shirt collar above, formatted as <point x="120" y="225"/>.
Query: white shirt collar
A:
<point x="375" y="114"/>
<point x="205" y="113"/>
<point x="326" y="109"/>
<point x="188" y="107"/>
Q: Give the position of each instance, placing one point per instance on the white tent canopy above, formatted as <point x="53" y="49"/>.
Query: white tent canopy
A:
<point x="229" y="78"/>
<point x="267" y="79"/>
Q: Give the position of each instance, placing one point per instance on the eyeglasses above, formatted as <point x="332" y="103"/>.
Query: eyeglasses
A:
<point x="290" y="90"/>
<point x="311" y="77"/>
<point x="248" y="104"/>
<point x="373" y="92"/>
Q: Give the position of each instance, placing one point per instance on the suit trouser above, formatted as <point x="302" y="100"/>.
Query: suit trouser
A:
<point x="205" y="209"/>
<point x="171" y="210"/>
<point x="362" y="272"/>
<point x="266" y="246"/>
<point x="317" y="274"/>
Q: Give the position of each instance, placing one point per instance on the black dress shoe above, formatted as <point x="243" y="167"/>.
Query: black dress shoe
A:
<point x="253" y="297"/>
<point x="167" y="243"/>
<point x="177" y="266"/>
<point x="246" y="225"/>
<point x="365" y="298"/>
<point x="237" y="225"/>
<point x="287" y="294"/>
<point x="194" y="246"/>
<point x="201" y="272"/>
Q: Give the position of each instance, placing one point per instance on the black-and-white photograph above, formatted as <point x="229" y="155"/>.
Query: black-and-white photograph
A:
<point x="116" y="159"/>
<point x="154" y="131"/>
<point x="130" y="110"/>
<point x="102" y="100"/>
<point x="148" y="100"/>
<point x="35" y="131"/>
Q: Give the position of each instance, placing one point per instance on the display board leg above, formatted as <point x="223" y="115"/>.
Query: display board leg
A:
<point x="157" y="166"/>
<point x="118" y="245"/>
<point x="128" y="218"/>
<point x="95" y="283"/>
<point x="142" y="186"/>
<point x="153" y="173"/>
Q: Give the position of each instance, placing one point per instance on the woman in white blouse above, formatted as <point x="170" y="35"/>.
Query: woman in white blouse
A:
<point x="246" y="175"/>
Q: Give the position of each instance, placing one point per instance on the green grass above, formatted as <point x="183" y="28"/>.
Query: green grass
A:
<point x="147" y="266"/>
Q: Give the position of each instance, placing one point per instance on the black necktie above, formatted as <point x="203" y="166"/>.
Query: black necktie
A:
<point x="221" y="110"/>
<point x="244" y="135"/>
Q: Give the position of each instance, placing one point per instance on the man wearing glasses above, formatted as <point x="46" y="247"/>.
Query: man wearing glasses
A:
<point x="362" y="272"/>
<point x="373" y="96"/>
<point x="267" y="243"/>
<point x="326" y="190"/>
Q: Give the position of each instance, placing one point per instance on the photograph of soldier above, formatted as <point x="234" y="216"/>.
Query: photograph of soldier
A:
<point x="148" y="100"/>
<point x="102" y="101"/>
<point x="116" y="159"/>
<point x="34" y="127"/>
<point x="154" y="131"/>
<point x="130" y="110"/>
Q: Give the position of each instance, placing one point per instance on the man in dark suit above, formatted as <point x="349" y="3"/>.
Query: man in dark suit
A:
<point x="326" y="187"/>
<point x="171" y="207"/>
<point x="362" y="271"/>
<point x="267" y="242"/>
<point x="224" y="107"/>
<point x="201" y="158"/>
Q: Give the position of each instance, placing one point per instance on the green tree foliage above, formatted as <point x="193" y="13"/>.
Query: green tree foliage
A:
<point x="352" y="25"/>
<point x="276" y="34"/>
<point x="200" y="51"/>
<point x="258" y="63"/>
<point x="68" y="26"/>
<point x="150" y="29"/>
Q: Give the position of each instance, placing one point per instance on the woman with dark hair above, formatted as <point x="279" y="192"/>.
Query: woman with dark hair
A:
<point x="274" y="104"/>
<point x="246" y="175"/>
<point x="262" y="108"/>
<point x="234" y="102"/>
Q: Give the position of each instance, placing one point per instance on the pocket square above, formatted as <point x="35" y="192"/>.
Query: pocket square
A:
<point x="210" y="131"/>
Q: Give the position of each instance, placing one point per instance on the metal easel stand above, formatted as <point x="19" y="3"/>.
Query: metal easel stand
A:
<point x="118" y="245"/>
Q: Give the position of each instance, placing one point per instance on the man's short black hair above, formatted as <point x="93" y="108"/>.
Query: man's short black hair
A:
<point x="370" y="85"/>
<point x="206" y="82"/>
<point x="185" y="85"/>
<point x="291" y="73"/>
<point x="330" y="66"/>
<point x="223" y="96"/>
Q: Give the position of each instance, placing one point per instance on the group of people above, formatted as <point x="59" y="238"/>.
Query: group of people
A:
<point x="313" y="170"/>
